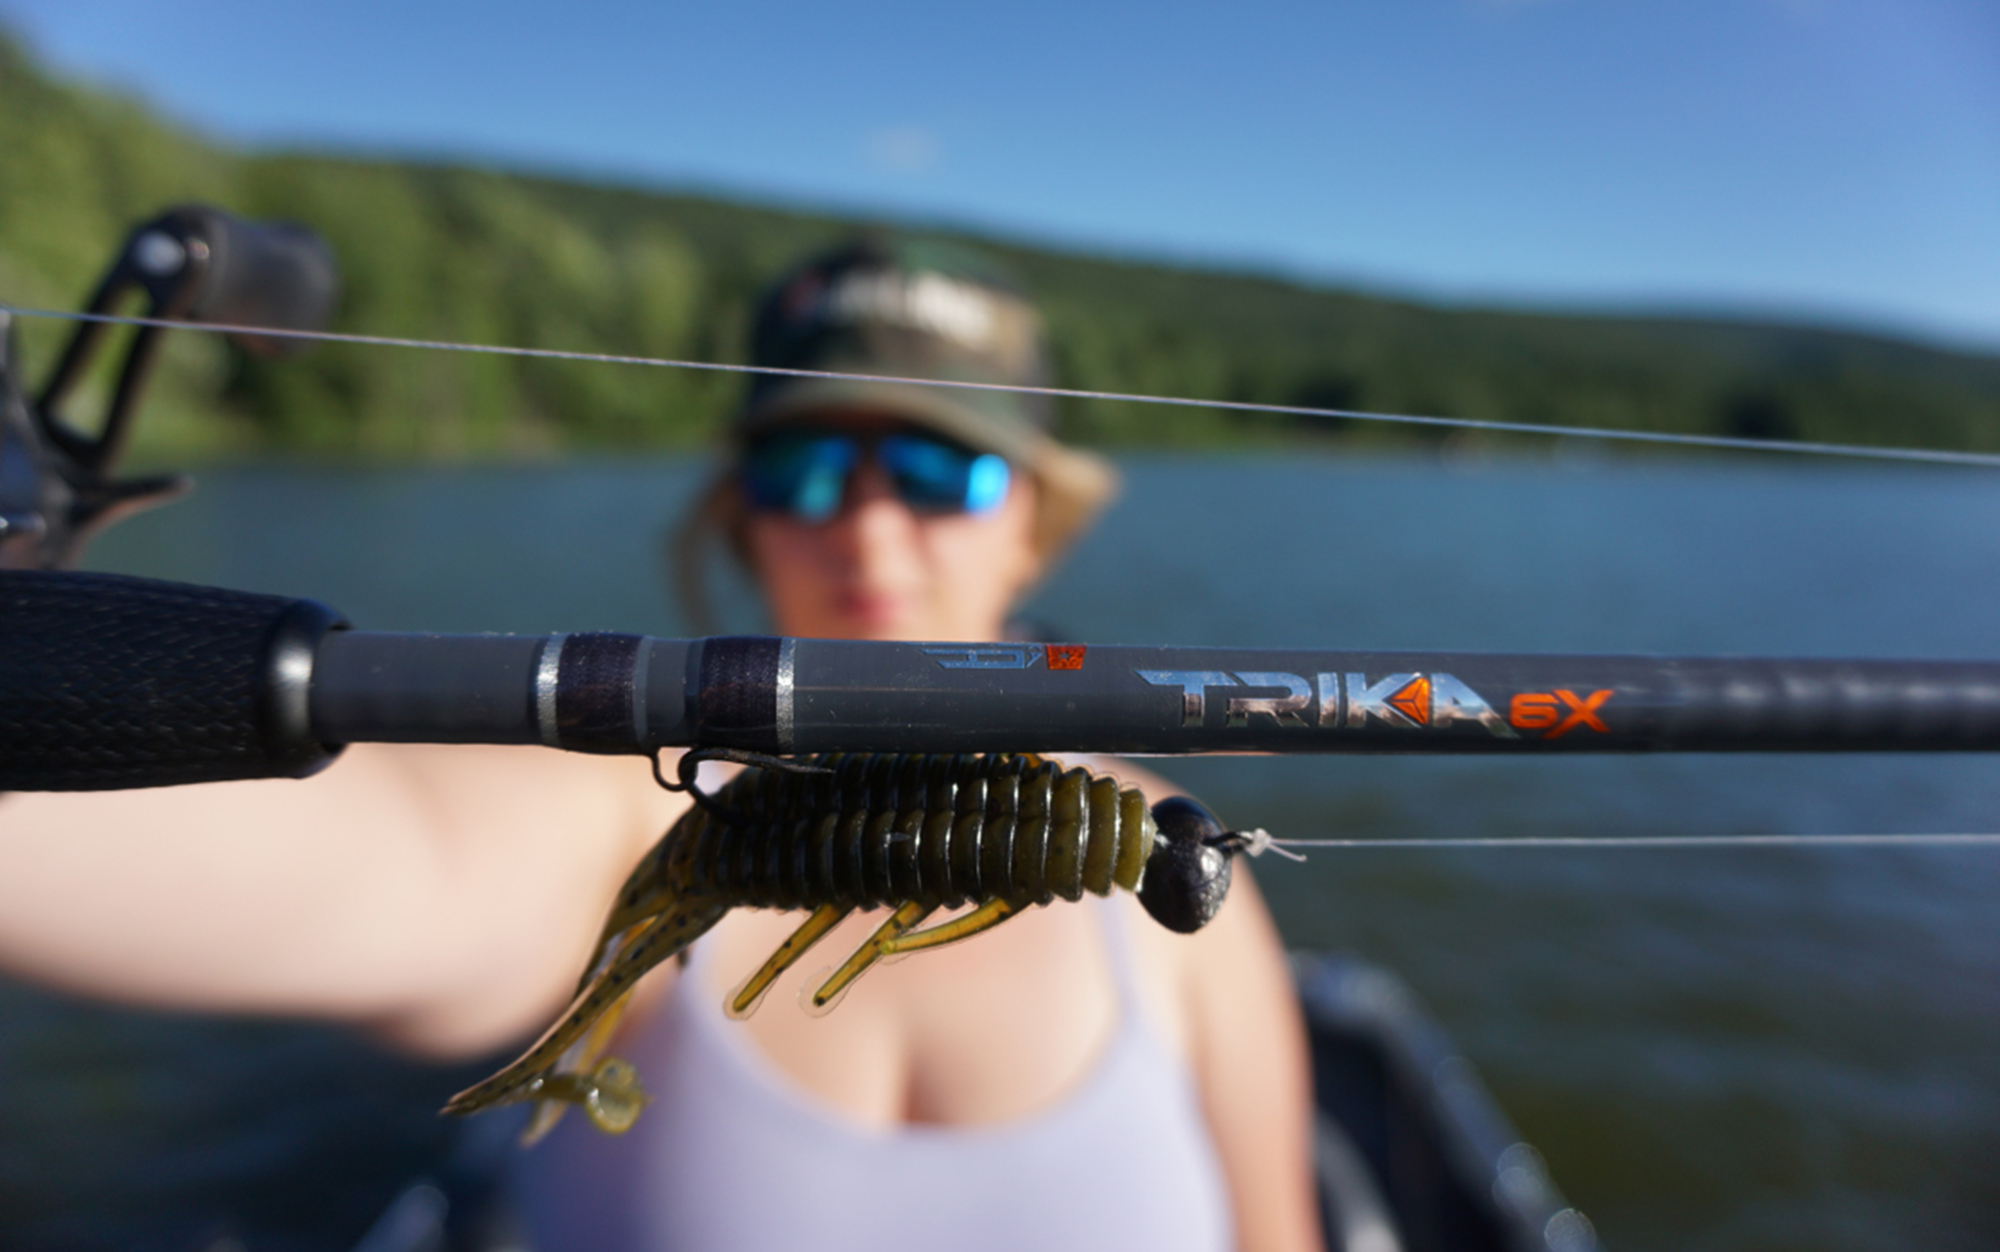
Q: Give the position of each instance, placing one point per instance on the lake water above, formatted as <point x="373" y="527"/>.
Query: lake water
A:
<point x="1715" y="1049"/>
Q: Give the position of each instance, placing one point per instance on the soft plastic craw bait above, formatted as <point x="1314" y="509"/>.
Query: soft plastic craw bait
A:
<point x="837" y="833"/>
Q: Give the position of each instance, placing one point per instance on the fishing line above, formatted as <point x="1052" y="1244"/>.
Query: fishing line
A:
<point x="1258" y="841"/>
<point x="1932" y="455"/>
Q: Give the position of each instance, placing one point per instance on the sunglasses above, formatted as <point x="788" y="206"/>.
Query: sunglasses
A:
<point x="806" y="473"/>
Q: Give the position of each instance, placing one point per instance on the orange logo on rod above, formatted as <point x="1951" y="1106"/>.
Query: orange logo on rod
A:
<point x="1413" y="700"/>
<point x="1065" y="655"/>
<point x="1537" y="710"/>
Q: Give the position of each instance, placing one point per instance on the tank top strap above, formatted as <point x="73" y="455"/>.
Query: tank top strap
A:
<point x="1123" y="961"/>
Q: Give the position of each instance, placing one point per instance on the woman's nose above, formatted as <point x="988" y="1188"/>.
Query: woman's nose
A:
<point x="869" y="485"/>
<point x="872" y="512"/>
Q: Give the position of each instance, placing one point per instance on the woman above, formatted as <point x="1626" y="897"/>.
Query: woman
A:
<point x="1078" y="1074"/>
<point x="1077" y="1077"/>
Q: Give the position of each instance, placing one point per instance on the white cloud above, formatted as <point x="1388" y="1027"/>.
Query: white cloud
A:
<point x="904" y="149"/>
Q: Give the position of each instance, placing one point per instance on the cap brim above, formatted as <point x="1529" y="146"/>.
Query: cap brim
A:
<point x="978" y="419"/>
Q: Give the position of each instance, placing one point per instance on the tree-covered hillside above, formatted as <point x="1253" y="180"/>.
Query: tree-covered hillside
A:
<point x="467" y="254"/>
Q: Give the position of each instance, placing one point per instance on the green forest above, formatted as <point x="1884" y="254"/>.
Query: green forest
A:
<point x="453" y="252"/>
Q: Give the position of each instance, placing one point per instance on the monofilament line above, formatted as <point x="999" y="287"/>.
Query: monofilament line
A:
<point x="1931" y="455"/>
<point x="1658" y="841"/>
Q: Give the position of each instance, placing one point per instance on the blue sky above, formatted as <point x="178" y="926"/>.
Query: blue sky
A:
<point x="1832" y="159"/>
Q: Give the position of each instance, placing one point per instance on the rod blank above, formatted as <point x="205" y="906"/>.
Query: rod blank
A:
<point x="120" y="682"/>
<point x="624" y="693"/>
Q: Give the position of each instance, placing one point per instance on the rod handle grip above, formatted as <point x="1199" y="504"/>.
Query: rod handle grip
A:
<point x="113" y="682"/>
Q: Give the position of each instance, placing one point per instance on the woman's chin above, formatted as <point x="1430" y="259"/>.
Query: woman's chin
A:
<point x="877" y="617"/>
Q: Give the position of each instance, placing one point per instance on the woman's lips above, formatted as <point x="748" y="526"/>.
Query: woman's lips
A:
<point x="874" y="609"/>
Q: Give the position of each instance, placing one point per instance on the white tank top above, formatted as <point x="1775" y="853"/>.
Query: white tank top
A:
<point x="732" y="1155"/>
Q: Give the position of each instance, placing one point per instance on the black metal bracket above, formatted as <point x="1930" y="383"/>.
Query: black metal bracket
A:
<point x="190" y="264"/>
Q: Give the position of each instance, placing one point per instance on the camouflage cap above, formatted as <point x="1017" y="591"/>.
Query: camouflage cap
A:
<point x="909" y="309"/>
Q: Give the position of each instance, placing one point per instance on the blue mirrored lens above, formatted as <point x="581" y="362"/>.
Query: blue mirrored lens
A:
<point x="804" y="475"/>
<point x="938" y="477"/>
<point x="986" y="484"/>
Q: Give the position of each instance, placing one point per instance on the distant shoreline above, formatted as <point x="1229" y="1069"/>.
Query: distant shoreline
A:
<point x="456" y="253"/>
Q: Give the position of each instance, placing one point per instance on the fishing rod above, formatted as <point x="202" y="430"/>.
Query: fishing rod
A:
<point x="108" y="681"/>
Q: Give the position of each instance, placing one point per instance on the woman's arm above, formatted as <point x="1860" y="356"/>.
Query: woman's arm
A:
<point x="442" y="897"/>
